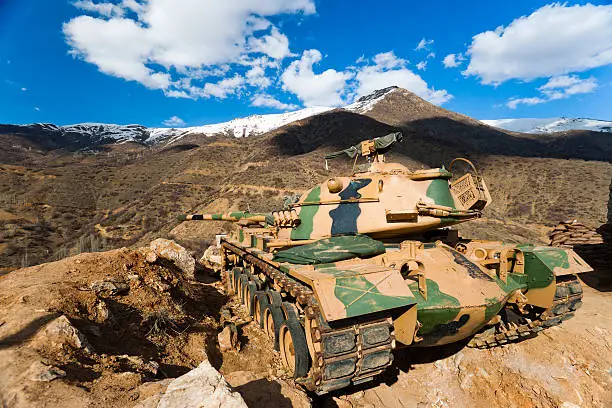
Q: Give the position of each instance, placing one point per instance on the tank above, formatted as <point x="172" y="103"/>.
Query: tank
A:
<point x="364" y="264"/>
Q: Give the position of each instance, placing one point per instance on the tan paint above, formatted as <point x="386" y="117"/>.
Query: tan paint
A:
<point x="542" y="297"/>
<point x="331" y="306"/>
<point x="405" y="326"/>
<point x="577" y="264"/>
<point x="454" y="280"/>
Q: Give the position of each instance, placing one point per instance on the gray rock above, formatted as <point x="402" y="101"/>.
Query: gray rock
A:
<point x="61" y="331"/>
<point x="175" y="253"/>
<point x="42" y="372"/>
<point x="109" y="288"/>
<point x="202" y="387"/>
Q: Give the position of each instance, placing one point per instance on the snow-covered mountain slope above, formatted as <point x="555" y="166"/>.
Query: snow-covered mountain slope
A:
<point x="367" y="102"/>
<point x="103" y="131"/>
<point x="258" y="124"/>
<point x="550" y="125"/>
<point x="79" y="136"/>
<point x="240" y="127"/>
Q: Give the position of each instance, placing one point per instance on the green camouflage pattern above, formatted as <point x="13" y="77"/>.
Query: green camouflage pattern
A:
<point x="331" y="250"/>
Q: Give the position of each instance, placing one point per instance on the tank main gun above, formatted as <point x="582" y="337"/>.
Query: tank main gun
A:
<point x="235" y="216"/>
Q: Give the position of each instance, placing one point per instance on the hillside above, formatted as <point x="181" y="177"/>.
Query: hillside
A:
<point x="58" y="201"/>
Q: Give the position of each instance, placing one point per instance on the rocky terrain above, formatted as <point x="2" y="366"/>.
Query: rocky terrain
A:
<point x="138" y="327"/>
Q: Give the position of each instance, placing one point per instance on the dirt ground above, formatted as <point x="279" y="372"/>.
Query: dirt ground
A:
<point x="129" y="322"/>
<point x="132" y="324"/>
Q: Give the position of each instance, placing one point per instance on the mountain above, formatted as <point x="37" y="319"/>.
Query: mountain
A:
<point x="93" y="135"/>
<point x="79" y="136"/>
<point x="550" y="125"/>
<point x="58" y="195"/>
<point x="392" y="106"/>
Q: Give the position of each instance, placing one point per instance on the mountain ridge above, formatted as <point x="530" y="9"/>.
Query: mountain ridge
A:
<point x="392" y="105"/>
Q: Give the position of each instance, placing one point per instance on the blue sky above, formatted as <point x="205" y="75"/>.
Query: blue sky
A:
<point x="193" y="62"/>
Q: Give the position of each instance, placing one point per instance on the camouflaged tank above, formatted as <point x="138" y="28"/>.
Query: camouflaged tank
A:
<point x="364" y="264"/>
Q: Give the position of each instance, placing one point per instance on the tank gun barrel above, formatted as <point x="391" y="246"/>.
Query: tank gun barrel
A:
<point x="230" y="216"/>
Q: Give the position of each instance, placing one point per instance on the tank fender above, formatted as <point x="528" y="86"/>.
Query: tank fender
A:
<point x="351" y="291"/>
<point x="543" y="264"/>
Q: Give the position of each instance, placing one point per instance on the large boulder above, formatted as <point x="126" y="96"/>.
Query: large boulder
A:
<point x="202" y="387"/>
<point x="170" y="250"/>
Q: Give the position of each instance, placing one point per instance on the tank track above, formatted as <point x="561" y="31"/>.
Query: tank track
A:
<point x="568" y="298"/>
<point x="340" y="356"/>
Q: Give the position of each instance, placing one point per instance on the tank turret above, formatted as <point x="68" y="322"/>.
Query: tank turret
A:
<point x="383" y="200"/>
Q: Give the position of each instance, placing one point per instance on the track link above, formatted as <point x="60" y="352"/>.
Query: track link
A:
<point x="568" y="298"/>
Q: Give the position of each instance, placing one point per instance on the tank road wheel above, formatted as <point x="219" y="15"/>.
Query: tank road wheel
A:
<point x="242" y="287"/>
<point x="273" y="319"/>
<point x="249" y="295"/>
<point x="260" y="301"/>
<point x="235" y="275"/>
<point x="275" y="297"/>
<point x="289" y="311"/>
<point x="293" y="348"/>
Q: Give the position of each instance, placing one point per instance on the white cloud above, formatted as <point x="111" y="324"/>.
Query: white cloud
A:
<point x="119" y="47"/>
<point x="567" y="85"/>
<point x="223" y="88"/>
<point x="276" y="45"/>
<point x="424" y="44"/>
<point x="554" y="40"/>
<point x="453" y="60"/>
<point x="431" y="55"/>
<point x="514" y="102"/>
<point x="169" y="44"/>
<point x="324" y="89"/>
<point x="24" y="89"/>
<point x="422" y="66"/>
<point x="256" y="76"/>
<point x="377" y="76"/>
<point x="37" y="109"/>
<point x="388" y="60"/>
<point x="268" y="101"/>
<point x="174" y="121"/>
<point x="105" y="9"/>
<point x="559" y="87"/>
